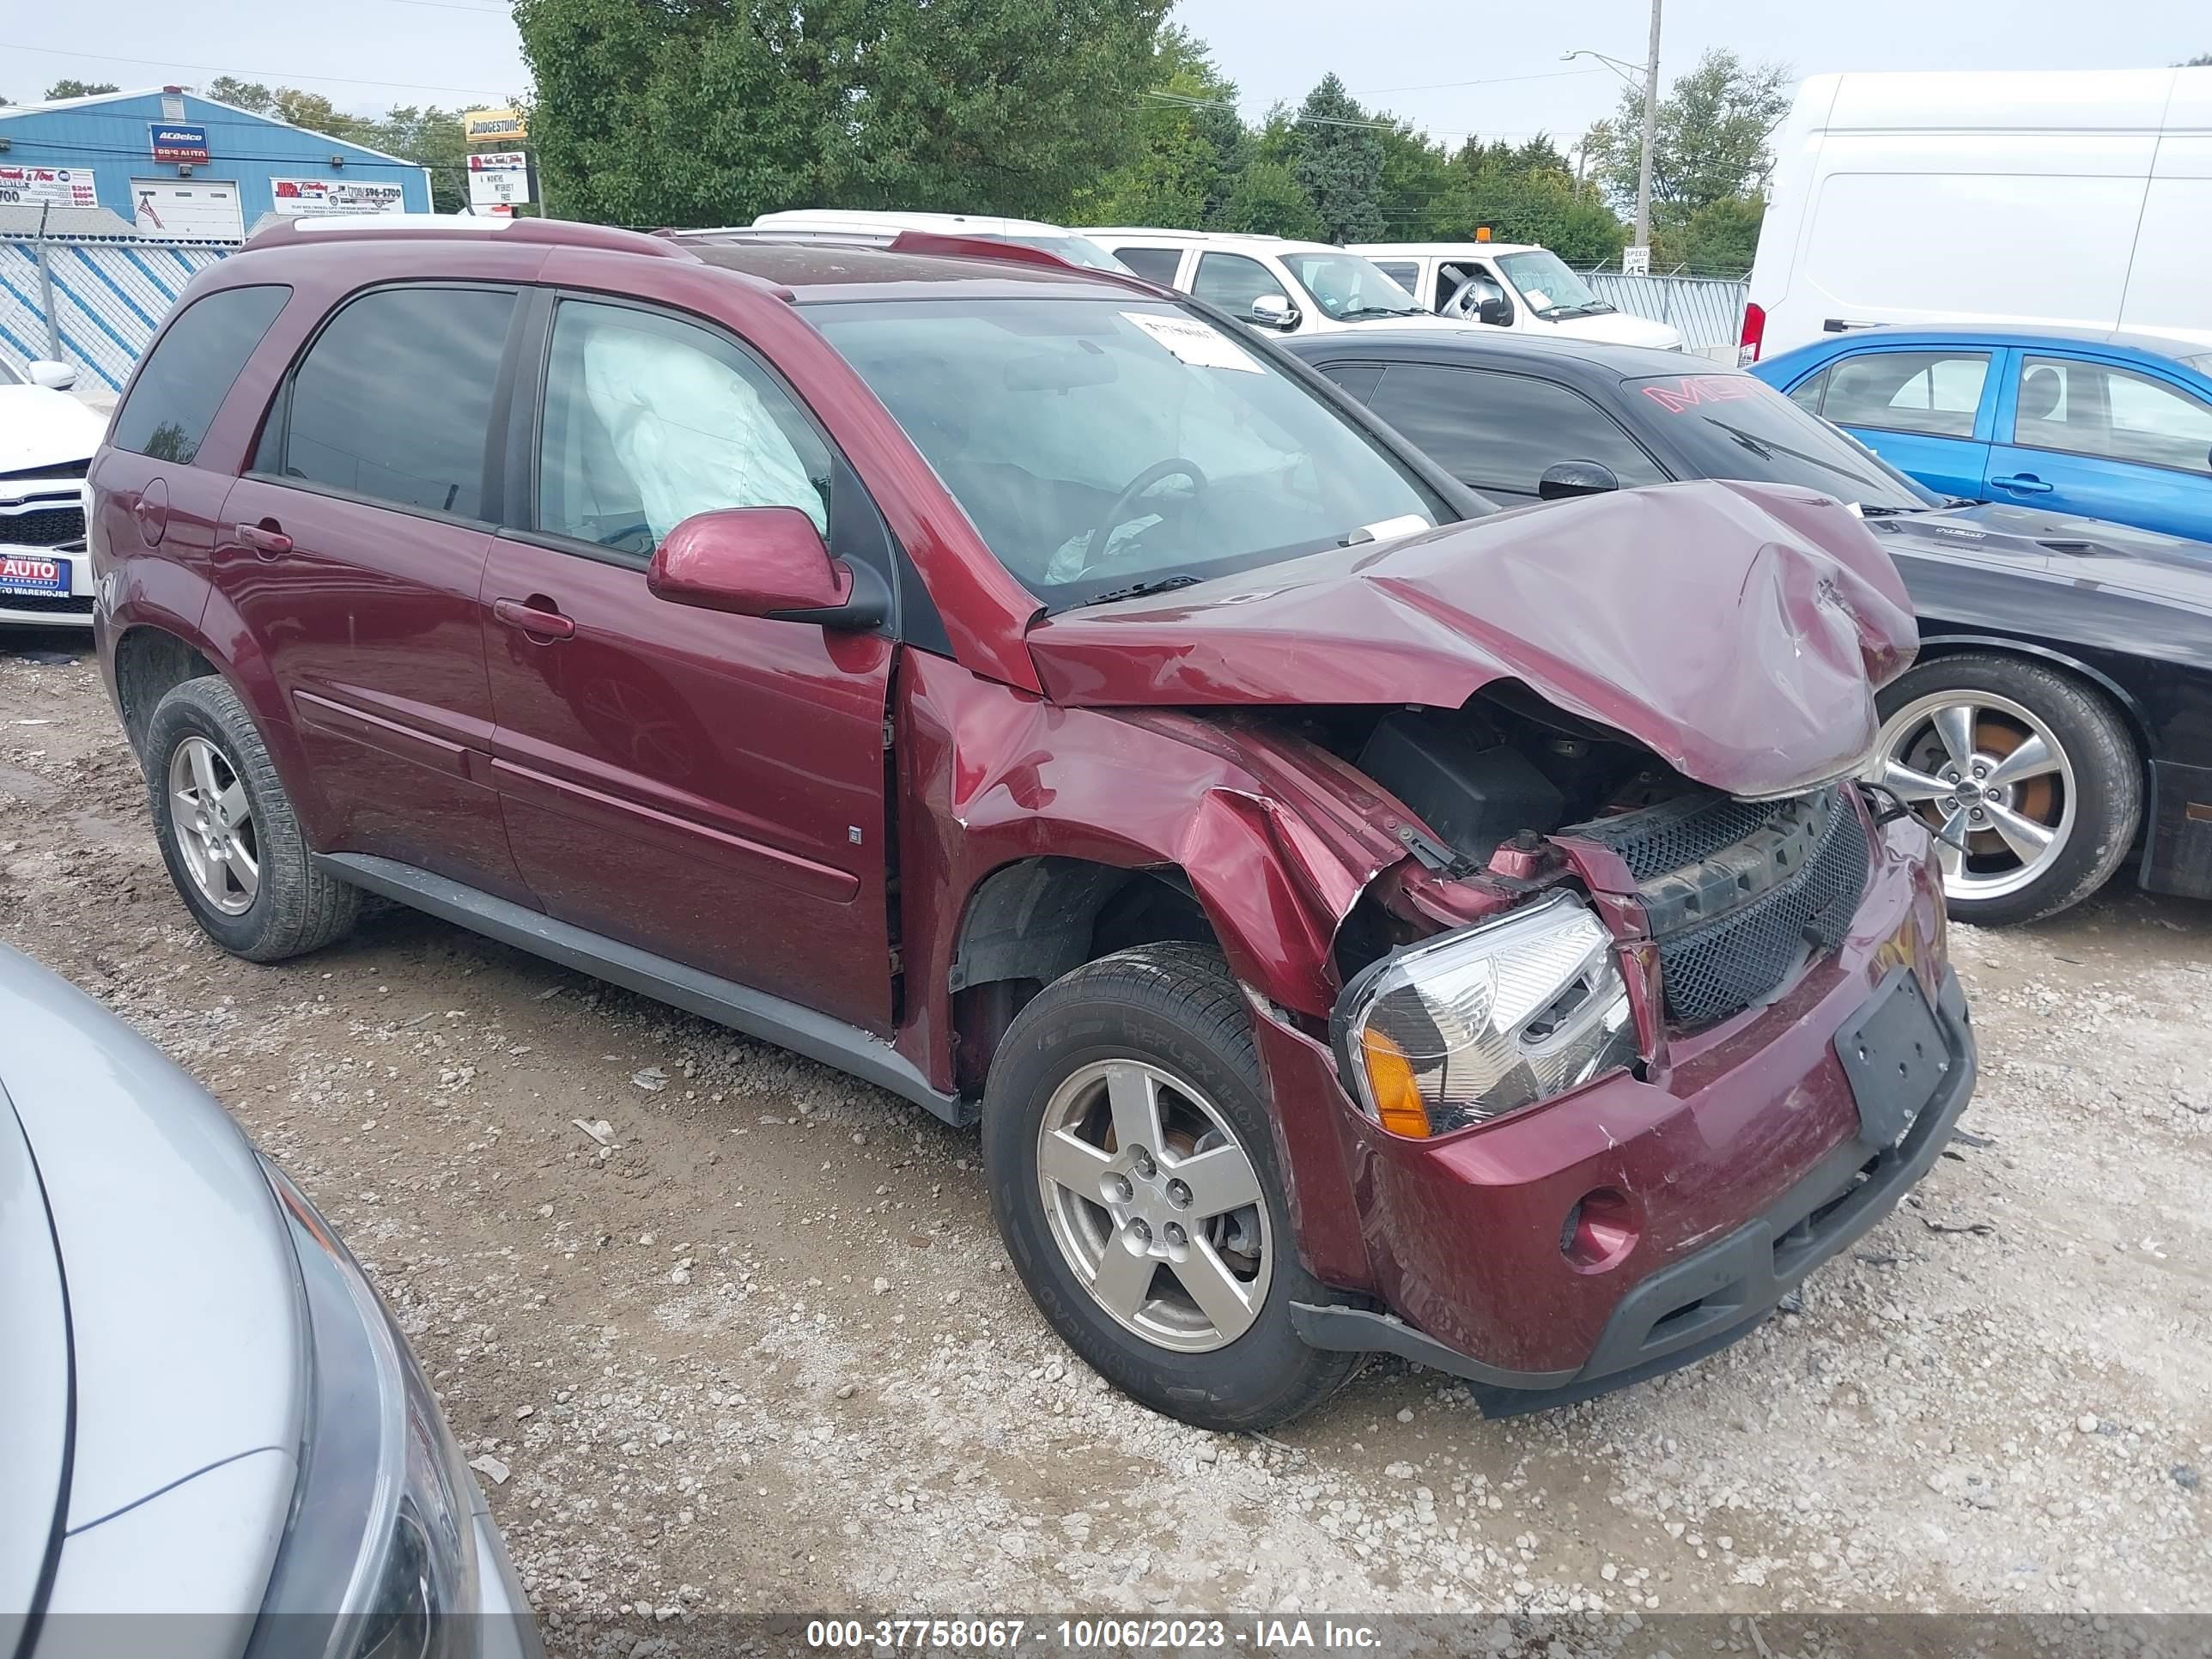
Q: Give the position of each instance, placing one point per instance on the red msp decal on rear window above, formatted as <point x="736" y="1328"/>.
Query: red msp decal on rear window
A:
<point x="1694" y="389"/>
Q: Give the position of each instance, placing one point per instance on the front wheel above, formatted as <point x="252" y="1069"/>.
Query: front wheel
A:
<point x="1131" y="1162"/>
<point x="2029" y="779"/>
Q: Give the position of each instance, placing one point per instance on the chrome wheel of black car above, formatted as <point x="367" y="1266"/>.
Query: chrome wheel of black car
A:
<point x="1991" y="779"/>
<point x="2028" y="778"/>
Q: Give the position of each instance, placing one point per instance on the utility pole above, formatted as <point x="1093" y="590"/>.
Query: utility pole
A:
<point x="1650" y="136"/>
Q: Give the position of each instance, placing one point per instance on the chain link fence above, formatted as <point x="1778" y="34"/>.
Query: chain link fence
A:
<point x="91" y="302"/>
<point x="1708" y="310"/>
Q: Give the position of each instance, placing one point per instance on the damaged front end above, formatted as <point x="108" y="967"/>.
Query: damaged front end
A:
<point x="1569" y="904"/>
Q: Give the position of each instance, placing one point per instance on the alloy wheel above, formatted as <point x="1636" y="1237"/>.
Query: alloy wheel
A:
<point x="213" y="823"/>
<point x="1155" y="1204"/>
<point x="1989" y="779"/>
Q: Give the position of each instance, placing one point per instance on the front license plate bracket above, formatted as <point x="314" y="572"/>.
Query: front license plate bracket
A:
<point x="1893" y="1052"/>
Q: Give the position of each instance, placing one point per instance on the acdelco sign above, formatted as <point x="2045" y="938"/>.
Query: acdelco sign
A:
<point x="486" y="126"/>
<point x="173" y="141"/>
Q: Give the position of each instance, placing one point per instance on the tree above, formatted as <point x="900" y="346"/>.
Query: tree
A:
<point x="691" y="114"/>
<point x="1524" y="193"/>
<point x="1191" y="143"/>
<point x="1268" y="201"/>
<point x="1717" y="239"/>
<point x="1711" y="142"/>
<point x="2200" y="61"/>
<point x="1339" y="163"/>
<point x="249" y="95"/>
<point x="1415" y="181"/>
<point x="68" y="88"/>
<point x="432" y="138"/>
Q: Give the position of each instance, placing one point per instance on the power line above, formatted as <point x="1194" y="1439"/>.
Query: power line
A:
<point x="1488" y="80"/>
<point x="235" y="69"/>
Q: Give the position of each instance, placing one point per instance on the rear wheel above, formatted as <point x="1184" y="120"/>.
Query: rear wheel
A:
<point x="1131" y="1161"/>
<point x="2028" y="777"/>
<point x="232" y="844"/>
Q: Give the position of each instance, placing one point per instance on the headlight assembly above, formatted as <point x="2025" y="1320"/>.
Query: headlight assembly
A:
<point x="1485" y="1020"/>
<point x="378" y="1560"/>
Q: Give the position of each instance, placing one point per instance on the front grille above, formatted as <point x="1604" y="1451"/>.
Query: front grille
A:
<point x="1736" y="890"/>
<point x="1656" y="841"/>
<point x="1716" y="968"/>
<point x="45" y="605"/>
<point x="44" y="526"/>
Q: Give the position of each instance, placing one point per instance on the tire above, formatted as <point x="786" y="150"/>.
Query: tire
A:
<point x="1171" y="1014"/>
<point x="289" y="906"/>
<point x="2091" y="800"/>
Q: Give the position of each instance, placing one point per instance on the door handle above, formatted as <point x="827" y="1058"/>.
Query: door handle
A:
<point x="268" y="542"/>
<point x="2023" y="483"/>
<point x="543" y="626"/>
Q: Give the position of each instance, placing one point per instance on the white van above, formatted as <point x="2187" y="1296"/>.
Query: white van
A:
<point x="2074" y="198"/>
<point x="860" y="226"/>
<point x="1273" y="284"/>
<point x="1516" y="285"/>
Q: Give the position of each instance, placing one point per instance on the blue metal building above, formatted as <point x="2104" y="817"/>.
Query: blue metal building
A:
<point x="179" y="166"/>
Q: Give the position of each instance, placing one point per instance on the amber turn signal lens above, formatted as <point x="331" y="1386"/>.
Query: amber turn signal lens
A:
<point x="1390" y="1083"/>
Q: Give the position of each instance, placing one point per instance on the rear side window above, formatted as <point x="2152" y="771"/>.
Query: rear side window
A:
<point x="191" y="371"/>
<point x="1501" y="431"/>
<point x="1936" y="392"/>
<point x="2110" y="413"/>
<point x="393" y="400"/>
<point x="1154" y="264"/>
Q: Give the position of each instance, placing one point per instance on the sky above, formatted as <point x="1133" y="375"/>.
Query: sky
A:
<point x="1454" y="68"/>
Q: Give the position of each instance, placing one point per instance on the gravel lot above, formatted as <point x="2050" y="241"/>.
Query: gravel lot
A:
<point x="760" y="1351"/>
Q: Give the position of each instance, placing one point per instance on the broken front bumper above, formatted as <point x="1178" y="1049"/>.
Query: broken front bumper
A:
<point x="1755" y="1156"/>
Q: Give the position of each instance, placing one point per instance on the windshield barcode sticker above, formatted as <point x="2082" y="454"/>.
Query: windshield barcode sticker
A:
<point x="1197" y="343"/>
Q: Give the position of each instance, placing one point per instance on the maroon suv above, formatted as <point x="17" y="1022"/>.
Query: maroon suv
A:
<point x="1361" y="919"/>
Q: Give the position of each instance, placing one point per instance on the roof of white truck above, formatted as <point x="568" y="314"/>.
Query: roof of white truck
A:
<point x="1438" y="250"/>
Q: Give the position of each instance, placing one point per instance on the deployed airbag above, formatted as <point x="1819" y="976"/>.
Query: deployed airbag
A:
<point x="690" y="431"/>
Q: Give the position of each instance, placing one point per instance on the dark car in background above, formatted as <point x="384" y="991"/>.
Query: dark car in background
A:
<point x="2060" y="713"/>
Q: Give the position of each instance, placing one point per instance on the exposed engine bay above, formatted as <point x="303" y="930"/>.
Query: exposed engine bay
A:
<point x="1738" y="895"/>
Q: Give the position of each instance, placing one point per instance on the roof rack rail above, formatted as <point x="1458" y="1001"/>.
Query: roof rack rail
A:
<point x="558" y="232"/>
<point x="981" y="247"/>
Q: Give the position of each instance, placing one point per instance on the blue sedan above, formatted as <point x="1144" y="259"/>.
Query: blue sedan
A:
<point x="2108" y="426"/>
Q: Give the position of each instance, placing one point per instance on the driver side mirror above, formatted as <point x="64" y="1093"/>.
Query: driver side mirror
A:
<point x="1496" y="312"/>
<point x="1575" y="478"/>
<point x="1274" y="311"/>
<point x="46" y="372"/>
<point x="763" y="562"/>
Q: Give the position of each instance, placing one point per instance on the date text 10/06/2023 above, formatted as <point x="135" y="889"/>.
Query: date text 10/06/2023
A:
<point x="987" y="1635"/>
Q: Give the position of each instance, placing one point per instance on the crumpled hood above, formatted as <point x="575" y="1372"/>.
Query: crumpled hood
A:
<point x="40" y="427"/>
<point x="1739" y="631"/>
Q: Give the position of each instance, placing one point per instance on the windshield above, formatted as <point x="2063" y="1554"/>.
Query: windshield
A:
<point x="1348" y="288"/>
<point x="1076" y="250"/>
<point x="1552" y="289"/>
<point x="1099" y="444"/>
<point x="1734" y="427"/>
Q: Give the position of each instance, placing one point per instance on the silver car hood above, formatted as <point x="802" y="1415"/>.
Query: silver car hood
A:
<point x="186" y="1333"/>
<point x="35" y="1379"/>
